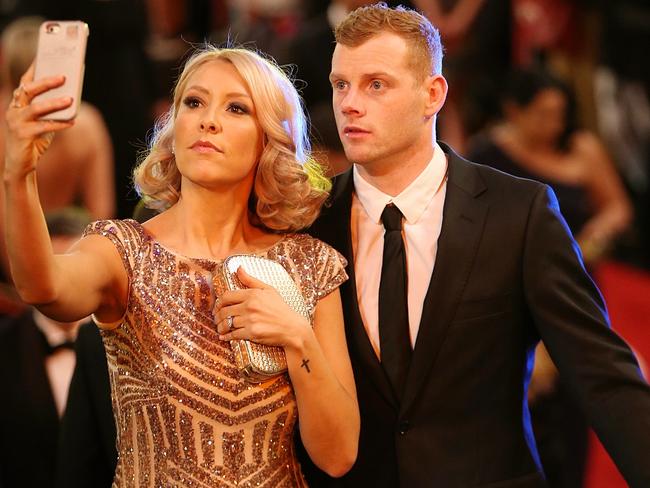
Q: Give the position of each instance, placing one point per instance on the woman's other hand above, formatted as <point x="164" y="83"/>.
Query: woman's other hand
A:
<point x="28" y="137"/>
<point x="258" y="313"/>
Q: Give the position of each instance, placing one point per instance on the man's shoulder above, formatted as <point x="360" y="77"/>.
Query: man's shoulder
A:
<point x="10" y="324"/>
<point x="462" y="171"/>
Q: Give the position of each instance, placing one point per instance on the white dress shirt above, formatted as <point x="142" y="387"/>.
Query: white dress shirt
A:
<point x="60" y="365"/>
<point x="421" y="203"/>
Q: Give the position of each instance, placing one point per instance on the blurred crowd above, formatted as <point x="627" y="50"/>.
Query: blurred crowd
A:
<point x="554" y="90"/>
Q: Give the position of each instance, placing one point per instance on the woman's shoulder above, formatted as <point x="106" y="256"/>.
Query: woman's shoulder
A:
<point x="122" y="232"/>
<point x="113" y="226"/>
<point x="316" y="250"/>
<point x="306" y="242"/>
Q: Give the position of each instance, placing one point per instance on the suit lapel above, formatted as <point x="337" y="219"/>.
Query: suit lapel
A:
<point x="462" y="226"/>
<point x="338" y="219"/>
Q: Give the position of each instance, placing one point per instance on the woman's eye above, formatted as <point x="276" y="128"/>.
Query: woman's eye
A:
<point x="191" y="102"/>
<point x="238" y="108"/>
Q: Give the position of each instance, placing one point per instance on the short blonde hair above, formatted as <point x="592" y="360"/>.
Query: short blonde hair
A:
<point x="19" y="43"/>
<point x="422" y="37"/>
<point x="290" y="186"/>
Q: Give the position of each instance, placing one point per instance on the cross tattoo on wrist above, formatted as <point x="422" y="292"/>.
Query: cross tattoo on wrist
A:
<point x="305" y="365"/>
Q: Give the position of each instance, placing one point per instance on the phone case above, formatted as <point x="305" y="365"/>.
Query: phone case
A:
<point x="259" y="362"/>
<point x="62" y="51"/>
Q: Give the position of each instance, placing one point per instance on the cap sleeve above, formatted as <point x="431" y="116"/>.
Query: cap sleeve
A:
<point x="126" y="236"/>
<point x="329" y="269"/>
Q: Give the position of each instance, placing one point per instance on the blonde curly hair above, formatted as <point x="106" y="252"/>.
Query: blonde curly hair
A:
<point x="290" y="186"/>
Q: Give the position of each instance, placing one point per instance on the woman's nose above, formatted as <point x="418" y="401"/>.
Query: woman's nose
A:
<point x="210" y="126"/>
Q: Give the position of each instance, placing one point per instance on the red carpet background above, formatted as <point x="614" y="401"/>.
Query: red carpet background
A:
<point x="627" y="293"/>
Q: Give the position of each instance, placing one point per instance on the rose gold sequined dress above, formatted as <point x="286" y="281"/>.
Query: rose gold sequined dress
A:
<point x="184" y="416"/>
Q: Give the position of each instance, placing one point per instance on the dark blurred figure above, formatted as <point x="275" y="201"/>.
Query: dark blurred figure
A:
<point x="36" y="365"/>
<point x="87" y="454"/>
<point x="622" y="94"/>
<point x="477" y="39"/>
<point x="537" y="139"/>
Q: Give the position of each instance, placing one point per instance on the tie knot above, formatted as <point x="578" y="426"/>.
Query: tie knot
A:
<point x="391" y="217"/>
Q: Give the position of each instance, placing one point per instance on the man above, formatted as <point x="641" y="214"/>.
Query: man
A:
<point x="87" y="453"/>
<point x="36" y="365"/>
<point x="445" y="305"/>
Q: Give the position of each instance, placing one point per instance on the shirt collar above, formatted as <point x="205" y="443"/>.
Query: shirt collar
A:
<point x="54" y="334"/>
<point x="413" y="200"/>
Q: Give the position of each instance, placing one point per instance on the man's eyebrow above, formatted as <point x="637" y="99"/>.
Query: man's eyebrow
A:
<point x="375" y="74"/>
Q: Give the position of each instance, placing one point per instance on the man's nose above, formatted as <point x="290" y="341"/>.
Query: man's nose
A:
<point x="351" y="103"/>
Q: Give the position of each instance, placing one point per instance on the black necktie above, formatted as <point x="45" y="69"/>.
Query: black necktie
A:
<point x="394" y="339"/>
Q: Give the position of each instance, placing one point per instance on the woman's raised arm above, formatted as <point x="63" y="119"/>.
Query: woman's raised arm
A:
<point x="87" y="279"/>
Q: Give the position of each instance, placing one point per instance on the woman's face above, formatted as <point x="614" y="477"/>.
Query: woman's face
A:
<point x="217" y="137"/>
<point x="543" y="120"/>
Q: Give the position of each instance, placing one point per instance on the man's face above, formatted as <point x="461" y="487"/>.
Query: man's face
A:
<point x="382" y="112"/>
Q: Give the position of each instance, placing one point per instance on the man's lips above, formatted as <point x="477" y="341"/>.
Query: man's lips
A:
<point x="205" y="146"/>
<point x="354" y="131"/>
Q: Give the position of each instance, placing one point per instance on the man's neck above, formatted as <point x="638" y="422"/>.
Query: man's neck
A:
<point x="392" y="178"/>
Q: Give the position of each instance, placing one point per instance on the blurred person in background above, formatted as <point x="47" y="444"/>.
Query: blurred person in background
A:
<point x="87" y="454"/>
<point x="36" y="364"/>
<point x="537" y="139"/>
<point x="78" y="168"/>
<point x="477" y="38"/>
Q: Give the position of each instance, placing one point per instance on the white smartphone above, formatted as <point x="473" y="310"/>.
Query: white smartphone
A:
<point x="62" y="51"/>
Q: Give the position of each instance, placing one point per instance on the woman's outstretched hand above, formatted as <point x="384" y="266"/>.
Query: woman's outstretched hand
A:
<point x="28" y="136"/>
<point x="259" y="314"/>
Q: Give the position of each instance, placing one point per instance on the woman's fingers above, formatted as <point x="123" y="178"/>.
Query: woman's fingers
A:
<point x="222" y="317"/>
<point x="250" y="282"/>
<point x="33" y="88"/>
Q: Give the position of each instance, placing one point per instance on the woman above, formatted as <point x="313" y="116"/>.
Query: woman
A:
<point x="230" y="167"/>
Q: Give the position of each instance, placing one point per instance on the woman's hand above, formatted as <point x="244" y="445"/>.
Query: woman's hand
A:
<point x="28" y="137"/>
<point x="259" y="314"/>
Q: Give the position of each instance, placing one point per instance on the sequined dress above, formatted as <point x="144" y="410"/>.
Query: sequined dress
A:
<point x="184" y="416"/>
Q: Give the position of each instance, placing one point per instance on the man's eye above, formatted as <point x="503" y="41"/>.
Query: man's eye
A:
<point x="340" y="85"/>
<point x="377" y="85"/>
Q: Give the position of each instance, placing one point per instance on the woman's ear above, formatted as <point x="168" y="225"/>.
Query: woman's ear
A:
<point x="436" y="94"/>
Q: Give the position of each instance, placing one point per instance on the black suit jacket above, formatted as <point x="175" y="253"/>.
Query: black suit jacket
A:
<point x="29" y="423"/>
<point x="507" y="273"/>
<point x="87" y="453"/>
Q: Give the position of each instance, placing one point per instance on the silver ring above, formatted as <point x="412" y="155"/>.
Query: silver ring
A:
<point x="230" y="320"/>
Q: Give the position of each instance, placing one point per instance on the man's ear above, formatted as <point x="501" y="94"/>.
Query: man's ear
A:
<point x="436" y="93"/>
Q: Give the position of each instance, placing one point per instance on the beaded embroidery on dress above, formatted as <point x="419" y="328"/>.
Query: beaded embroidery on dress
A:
<point x="184" y="416"/>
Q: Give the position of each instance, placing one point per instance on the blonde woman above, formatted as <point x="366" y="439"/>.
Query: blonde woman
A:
<point x="230" y="168"/>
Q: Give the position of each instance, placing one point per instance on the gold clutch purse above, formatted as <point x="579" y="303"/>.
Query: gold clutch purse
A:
<point x="259" y="362"/>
